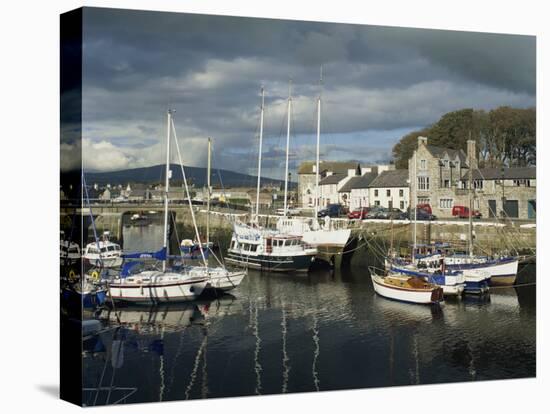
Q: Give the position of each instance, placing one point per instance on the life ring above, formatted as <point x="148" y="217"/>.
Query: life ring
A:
<point x="72" y="274"/>
<point x="95" y="275"/>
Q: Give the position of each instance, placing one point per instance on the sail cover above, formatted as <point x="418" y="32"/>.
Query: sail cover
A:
<point x="159" y="255"/>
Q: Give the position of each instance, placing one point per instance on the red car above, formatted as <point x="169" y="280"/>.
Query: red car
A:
<point x="426" y="207"/>
<point x="464" y="212"/>
<point x="358" y="214"/>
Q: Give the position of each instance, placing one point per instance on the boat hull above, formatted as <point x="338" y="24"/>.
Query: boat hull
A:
<point x="425" y="297"/>
<point x="110" y="262"/>
<point x="226" y="282"/>
<point x="156" y="292"/>
<point x="272" y="263"/>
<point x="501" y="272"/>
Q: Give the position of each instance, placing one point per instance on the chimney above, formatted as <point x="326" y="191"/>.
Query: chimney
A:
<point x="471" y="153"/>
<point x="422" y="141"/>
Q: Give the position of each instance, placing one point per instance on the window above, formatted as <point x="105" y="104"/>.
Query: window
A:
<point x="446" y="163"/>
<point x="401" y="193"/>
<point x="402" y="205"/>
<point x="423" y="200"/>
<point x="376" y="193"/>
<point x="376" y="202"/>
<point x="388" y="193"/>
<point x="445" y="203"/>
<point x="478" y="184"/>
<point x="522" y="182"/>
<point x="422" y="164"/>
<point x="423" y="183"/>
<point x="446" y="183"/>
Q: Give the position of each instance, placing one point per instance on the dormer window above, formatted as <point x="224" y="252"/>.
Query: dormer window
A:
<point x="445" y="163"/>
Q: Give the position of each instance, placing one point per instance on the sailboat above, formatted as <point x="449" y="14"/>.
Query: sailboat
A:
<point x="405" y="288"/>
<point x="69" y="251"/>
<point x="326" y="238"/>
<point x="453" y="282"/>
<point x="267" y="249"/>
<point x="158" y="286"/>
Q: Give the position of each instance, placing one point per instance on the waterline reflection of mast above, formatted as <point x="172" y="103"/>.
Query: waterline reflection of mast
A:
<point x="200" y="351"/>
<point x="287" y="146"/>
<point x="161" y="368"/>
<point x="257" y="366"/>
<point x="260" y="158"/>
<point x="315" y="330"/>
<point x="286" y="366"/>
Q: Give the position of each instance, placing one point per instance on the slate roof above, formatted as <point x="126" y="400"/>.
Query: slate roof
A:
<point x="358" y="182"/>
<point x="439" y="152"/>
<point x="509" y="173"/>
<point x="332" y="179"/>
<point x="337" y="167"/>
<point x="393" y="178"/>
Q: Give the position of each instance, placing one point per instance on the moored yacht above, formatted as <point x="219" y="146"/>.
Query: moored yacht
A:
<point x="103" y="253"/>
<point x="264" y="249"/>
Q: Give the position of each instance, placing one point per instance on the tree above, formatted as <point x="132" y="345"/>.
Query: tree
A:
<point x="505" y="136"/>
<point x="404" y="149"/>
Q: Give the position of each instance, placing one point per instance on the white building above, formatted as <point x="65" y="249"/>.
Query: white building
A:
<point x="390" y="189"/>
<point x="356" y="191"/>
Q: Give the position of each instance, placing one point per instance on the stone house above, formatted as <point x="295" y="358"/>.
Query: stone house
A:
<point x="509" y="192"/>
<point x="390" y="189"/>
<point x="442" y="177"/>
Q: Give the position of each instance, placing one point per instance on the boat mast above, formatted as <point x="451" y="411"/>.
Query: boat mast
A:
<point x="316" y="204"/>
<point x="260" y="158"/>
<point x="471" y="202"/>
<point x="414" y="202"/>
<point x="287" y="146"/>
<point x="187" y="194"/>
<point x="209" y="190"/>
<point x="166" y="188"/>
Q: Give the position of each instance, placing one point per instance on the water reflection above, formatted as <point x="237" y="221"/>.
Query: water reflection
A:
<point x="296" y="333"/>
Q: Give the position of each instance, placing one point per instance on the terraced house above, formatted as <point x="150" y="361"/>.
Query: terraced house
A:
<point x="441" y="175"/>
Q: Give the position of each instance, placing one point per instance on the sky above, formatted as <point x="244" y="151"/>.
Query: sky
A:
<point x="379" y="83"/>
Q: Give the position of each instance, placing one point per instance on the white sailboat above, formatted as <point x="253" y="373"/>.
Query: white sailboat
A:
<point x="158" y="286"/>
<point x="326" y="238"/>
<point x="275" y="250"/>
<point x="219" y="278"/>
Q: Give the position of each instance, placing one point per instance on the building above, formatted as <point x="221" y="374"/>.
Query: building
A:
<point x="307" y="174"/>
<point x="508" y="192"/>
<point x="337" y="182"/>
<point x="265" y="199"/>
<point x="390" y="189"/>
<point x="356" y="191"/>
<point x="442" y="177"/>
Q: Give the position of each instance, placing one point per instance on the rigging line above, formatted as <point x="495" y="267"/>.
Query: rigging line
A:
<point x="187" y="193"/>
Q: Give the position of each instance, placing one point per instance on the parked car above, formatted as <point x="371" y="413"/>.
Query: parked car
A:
<point x="391" y="213"/>
<point x="464" y="212"/>
<point x="374" y="212"/>
<point x="421" y="215"/>
<point x="426" y="207"/>
<point x="332" y="210"/>
<point x="360" y="213"/>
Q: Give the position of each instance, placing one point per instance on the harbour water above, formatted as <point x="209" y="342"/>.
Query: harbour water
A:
<point x="320" y="331"/>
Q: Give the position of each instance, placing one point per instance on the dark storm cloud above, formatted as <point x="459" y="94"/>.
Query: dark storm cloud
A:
<point x="210" y="68"/>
